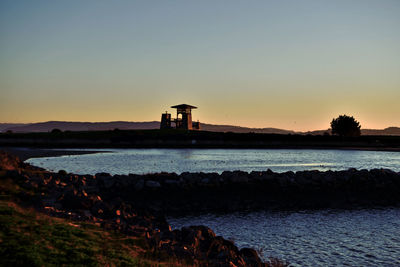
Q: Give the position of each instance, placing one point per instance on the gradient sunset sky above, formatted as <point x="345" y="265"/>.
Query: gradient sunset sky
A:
<point x="284" y="64"/>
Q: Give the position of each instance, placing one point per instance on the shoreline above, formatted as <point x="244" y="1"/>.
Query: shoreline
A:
<point x="78" y="199"/>
<point x="139" y="205"/>
<point x="25" y="153"/>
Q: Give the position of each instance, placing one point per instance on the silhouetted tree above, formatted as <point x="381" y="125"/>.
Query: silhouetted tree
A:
<point x="345" y="126"/>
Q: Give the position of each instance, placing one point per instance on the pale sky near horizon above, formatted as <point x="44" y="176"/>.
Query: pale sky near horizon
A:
<point x="284" y="64"/>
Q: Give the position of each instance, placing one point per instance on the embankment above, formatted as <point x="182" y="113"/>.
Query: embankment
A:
<point x="90" y="199"/>
<point x="172" y="194"/>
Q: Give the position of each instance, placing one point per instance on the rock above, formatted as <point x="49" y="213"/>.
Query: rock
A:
<point x="73" y="199"/>
<point x="190" y="178"/>
<point x="251" y="257"/>
<point x="171" y="182"/>
<point x="102" y="210"/>
<point x="108" y="182"/>
<point x="62" y="172"/>
<point x="153" y="184"/>
<point x="91" y="189"/>
<point x="226" y="175"/>
<point x="102" y="174"/>
<point x="125" y="181"/>
<point x="255" y="175"/>
<point x="265" y="176"/>
<point x="139" y="185"/>
<point x="223" y="251"/>
<point x="239" y="177"/>
<point x="205" y="181"/>
<point x="8" y="161"/>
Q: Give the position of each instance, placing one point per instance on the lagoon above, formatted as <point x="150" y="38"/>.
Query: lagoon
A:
<point x="142" y="161"/>
<point x="327" y="237"/>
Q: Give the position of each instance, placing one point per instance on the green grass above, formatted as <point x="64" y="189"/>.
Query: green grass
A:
<point x="30" y="238"/>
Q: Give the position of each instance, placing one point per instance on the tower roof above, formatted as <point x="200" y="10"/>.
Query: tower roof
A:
<point x="184" y="106"/>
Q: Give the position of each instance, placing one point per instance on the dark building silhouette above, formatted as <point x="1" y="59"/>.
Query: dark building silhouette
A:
<point x="183" y="118"/>
<point x="165" y="121"/>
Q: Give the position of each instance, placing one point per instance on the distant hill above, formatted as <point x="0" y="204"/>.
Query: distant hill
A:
<point x="83" y="126"/>
<point x="125" y="125"/>
<point x="239" y="129"/>
<point x="386" y="131"/>
<point x="5" y="126"/>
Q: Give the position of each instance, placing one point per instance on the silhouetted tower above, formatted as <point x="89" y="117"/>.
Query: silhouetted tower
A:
<point x="185" y="122"/>
<point x="183" y="118"/>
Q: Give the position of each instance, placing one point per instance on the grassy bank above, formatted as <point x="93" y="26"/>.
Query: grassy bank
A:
<point x="31" y="238"/>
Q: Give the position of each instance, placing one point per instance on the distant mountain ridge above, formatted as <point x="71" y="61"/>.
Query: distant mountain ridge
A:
<point x="240" y="129"/>
<point x="83" y="126"/>
<point x="125" y="125"/>
<point x="5" y="126"/>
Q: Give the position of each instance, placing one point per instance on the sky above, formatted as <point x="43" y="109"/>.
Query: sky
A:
<point x="285" y="64"/>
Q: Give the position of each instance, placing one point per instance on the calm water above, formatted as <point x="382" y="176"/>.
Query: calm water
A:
<point x="125" y="161"/>
<point x="312" y="238"/>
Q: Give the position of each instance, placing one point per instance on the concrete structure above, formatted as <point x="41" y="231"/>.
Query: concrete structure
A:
<point x="183" y="118"/>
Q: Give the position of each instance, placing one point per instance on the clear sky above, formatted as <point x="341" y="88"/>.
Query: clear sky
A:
<point x="284" y="64"/>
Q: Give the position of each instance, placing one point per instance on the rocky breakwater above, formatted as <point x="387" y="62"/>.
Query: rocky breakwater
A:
<point x="102" y="200"/>
<point x="172" y="194"/>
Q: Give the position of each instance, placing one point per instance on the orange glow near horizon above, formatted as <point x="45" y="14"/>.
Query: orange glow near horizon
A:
<point x="266" y="65"/>
<point x="223" y="119"/>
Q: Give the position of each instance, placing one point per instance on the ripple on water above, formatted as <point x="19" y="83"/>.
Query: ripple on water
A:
<point x="368" y="237"/>
<point x="125" y="161"/>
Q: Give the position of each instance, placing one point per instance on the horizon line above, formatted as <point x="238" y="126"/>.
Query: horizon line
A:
<point x="231" y="125"/>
